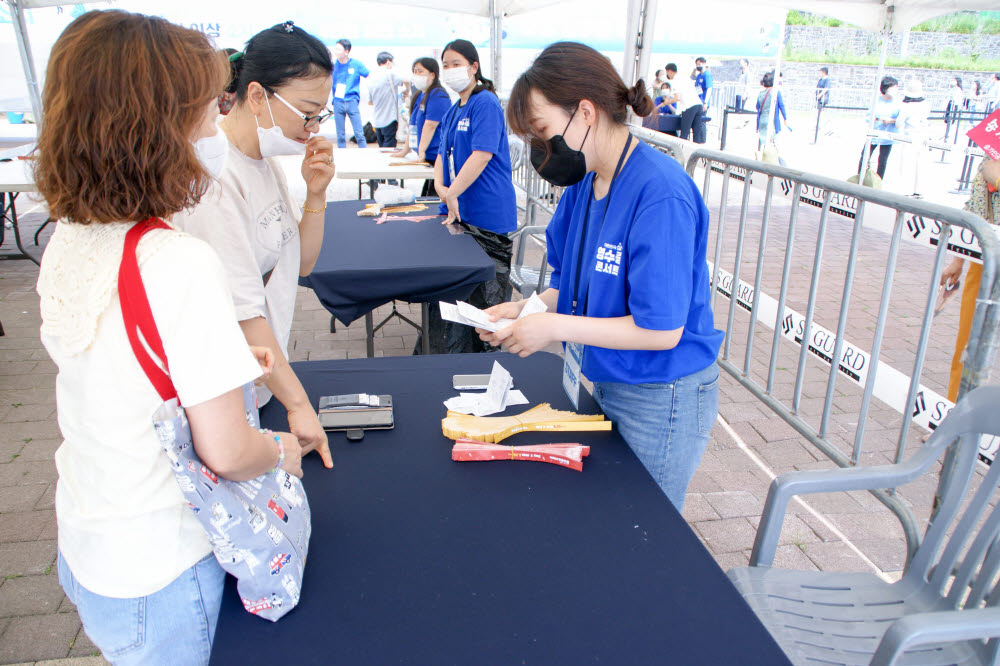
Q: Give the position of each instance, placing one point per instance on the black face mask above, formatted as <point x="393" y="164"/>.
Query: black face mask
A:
<point x="564" y="166"/>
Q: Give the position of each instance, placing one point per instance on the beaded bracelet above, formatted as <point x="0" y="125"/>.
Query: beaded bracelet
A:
<point x="281" y="450"/>
<point x="314" y="210"/>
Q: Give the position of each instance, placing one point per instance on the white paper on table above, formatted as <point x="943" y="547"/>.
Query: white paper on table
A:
<point x="470" y="315"/>
<point x="498" y="397"/>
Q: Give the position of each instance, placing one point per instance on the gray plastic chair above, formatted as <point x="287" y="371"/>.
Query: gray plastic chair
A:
<point x="944" y="608"/>
<point x="527" y="279"/>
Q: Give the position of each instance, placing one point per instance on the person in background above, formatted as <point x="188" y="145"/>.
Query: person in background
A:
<point x="627" y="243"/>
<point x="913" y="126"/>
<point x="956" y="103"/>
<point x="347" y="74"/>
<point x="383" y="90"/>
<point x="743" y="85"/>
<point x="765" y="99"/>
<point x="132" y="557"/>
<point x="226" y="100"/>
<point x="823" y="88"/>
<point x="993" y="94"/>
<point x="658" y="80"/>
<point x="426" y="112"/>
<point x="662" y="101"/>
<point x="687" y="103"/>
<point x="886" y="112"/>
<point x="703" y="81"/>
<point x="984" y="201"/>
<point x="281" y="82"/>
<point x="978" y="100"/>
<point x="472" y="175"/>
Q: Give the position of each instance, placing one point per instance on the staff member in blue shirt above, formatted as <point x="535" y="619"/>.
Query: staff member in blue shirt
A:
<point x="627" y="247"/>
<point x="347" y="73"/>
<point x="472" y="175"/>
<point x="426" y="112"/>
<point x="703" y="81"/>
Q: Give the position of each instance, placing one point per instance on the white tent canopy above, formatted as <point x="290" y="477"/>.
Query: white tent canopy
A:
<point x="878" y="15"/>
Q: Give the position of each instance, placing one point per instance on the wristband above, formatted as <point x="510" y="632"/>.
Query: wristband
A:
<point x="314" y="210"/>
<point x="281" y="450"/>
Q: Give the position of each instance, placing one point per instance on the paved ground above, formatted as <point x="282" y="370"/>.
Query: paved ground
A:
<point x="845" y="531"/>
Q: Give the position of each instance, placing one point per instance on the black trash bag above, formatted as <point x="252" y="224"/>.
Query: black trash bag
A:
<point x="450" y="338"/>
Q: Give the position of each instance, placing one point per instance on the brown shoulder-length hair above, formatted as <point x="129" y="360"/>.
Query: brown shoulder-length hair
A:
<point x="123" y="94"/>
<point x="567" y="72"/>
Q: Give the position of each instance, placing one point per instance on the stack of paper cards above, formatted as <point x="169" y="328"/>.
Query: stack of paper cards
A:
<point x="470" y="315"/>
<point x="498" y="397"/>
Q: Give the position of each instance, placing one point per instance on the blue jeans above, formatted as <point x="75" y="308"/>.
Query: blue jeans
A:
<point x="666" y="425"/>
<point x="173" y="626"/>
<point x="343" y="108"/>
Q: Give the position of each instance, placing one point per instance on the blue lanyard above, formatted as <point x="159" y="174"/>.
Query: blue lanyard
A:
<point x="586" y="223"/>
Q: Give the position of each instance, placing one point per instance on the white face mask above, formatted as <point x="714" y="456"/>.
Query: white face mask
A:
<point x="419" y="81"/>
<point x="212" y="152"/>
<point x="273" y="142"/>
<point x="456" y="78"/>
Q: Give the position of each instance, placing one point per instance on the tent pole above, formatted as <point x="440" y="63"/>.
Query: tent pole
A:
<point x="27" y="61"/>
<point x="496" y="38"/>
<point x="884" y="36"/>
<point x="638" y="39"/>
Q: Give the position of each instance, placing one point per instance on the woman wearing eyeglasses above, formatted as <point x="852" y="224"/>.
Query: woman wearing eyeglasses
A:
<point x="266" y="239"/>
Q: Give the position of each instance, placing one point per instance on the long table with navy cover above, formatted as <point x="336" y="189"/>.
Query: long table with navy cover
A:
<point x="416" y="559"/>
<point x="363" y="265"/>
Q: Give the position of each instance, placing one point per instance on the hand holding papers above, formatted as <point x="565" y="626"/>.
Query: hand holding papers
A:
<point x="463" y="313"/>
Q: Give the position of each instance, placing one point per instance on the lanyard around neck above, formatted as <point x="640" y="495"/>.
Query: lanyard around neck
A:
<point x="586" y="224"/>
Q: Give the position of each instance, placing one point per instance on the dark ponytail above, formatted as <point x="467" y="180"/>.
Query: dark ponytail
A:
<point x="431" y="65"/>
<point x="467" y="50"/>
<point x="566" y="73"/>
<point x="277" y="55"/>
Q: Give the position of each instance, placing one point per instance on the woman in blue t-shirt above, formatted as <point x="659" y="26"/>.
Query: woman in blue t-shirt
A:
<point x="426" y="111"/>
<point x="472" y="175"/>
<point x="629" y="289"/>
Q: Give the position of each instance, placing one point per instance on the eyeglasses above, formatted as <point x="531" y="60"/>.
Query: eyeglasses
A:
<point x="309" y="122"/>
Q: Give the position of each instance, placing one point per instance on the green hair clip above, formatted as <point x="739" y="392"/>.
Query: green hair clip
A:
<point x="236" y="56"/>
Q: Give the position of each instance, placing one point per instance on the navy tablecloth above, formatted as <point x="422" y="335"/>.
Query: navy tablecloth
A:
<point x="416" y="559"/>
<point x="363" y="265"/>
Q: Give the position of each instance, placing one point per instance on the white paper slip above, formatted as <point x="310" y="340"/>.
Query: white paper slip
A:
<point x="498" y="397"/>
<point x="470" y="315"/>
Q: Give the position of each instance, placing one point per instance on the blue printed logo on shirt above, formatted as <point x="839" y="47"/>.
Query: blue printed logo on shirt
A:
<point x="609" y="259"/>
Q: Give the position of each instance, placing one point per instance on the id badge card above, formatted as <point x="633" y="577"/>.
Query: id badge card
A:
<point x="571" y="372"/>
<point x="451" y="166"/>
<point x="413" y="141"/>
<point x="340" y="91"/>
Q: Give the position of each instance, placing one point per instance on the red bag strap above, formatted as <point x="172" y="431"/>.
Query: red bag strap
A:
<point x="138" y="316"/>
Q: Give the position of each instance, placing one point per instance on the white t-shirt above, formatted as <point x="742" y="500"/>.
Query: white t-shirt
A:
<point x="685" y="86"/>
<point x="124" y="526"/>
<point x="251" y="220"/>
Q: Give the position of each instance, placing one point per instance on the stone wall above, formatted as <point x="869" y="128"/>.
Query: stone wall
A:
<point x="815" y="39"/>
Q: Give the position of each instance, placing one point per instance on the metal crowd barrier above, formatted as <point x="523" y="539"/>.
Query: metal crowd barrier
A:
<point x="921" y="220"/>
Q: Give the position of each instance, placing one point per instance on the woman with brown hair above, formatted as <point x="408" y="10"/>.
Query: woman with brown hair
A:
<point x="126" y="97"/>
<point x="629" y="289"/>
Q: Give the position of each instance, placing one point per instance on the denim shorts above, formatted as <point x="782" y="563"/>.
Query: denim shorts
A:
<point x="666" y="425"/>
<point x="173" y="626"/>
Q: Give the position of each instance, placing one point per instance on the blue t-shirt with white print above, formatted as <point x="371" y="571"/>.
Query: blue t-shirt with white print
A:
<point x="648" y="260"/>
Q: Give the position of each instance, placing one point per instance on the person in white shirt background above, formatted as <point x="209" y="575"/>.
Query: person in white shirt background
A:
<point x="383" y="91"/>
<point x="267" y="240"/>
<point x="688" y="104"/>
<point x="912" y="124"/>
<point x="115" y="151"/>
